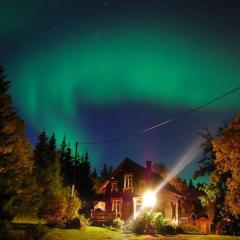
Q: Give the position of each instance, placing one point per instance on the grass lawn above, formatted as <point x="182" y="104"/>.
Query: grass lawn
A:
<point x="89" y="233"/>
<point x="98" y="233"/>
<point x="28" y="220"/>
<point x="212" y="237"/>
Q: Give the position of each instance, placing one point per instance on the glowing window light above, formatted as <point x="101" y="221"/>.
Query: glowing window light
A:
<point x="149" y="200"/>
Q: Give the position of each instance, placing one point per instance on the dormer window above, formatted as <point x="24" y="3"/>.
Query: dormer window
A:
<point x="114" y="186"/>
<point x="128" y="181"/>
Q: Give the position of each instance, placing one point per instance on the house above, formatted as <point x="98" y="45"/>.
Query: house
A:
<point x="204" y="225"/>
<point x="121" y="195"/>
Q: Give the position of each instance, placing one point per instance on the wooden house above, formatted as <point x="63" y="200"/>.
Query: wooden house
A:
<point x="121" y="195"/>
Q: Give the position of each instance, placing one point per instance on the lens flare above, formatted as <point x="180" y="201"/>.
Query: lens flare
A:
<point x="186" y="159"/>
<point x="149" y="199"/>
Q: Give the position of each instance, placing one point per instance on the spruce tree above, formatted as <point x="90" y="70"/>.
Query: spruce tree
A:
<point x="58" y="204"/>
<point x="95" y="180"/>
<point x="83" y="176"/>
<point x="66" y="160"/>
<point x="53" y="168"/>
<point x="16" y="185"/>
<point x="8" y="163"/>
<point x="40" y="154"/>
<point x="47" y="169"/>
<point x="106" y="172"/>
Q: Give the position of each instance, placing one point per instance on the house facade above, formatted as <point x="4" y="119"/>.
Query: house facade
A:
<point x="121" y="195"/>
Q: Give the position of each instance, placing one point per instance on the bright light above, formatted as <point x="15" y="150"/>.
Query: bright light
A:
<point x="149" y="200"/>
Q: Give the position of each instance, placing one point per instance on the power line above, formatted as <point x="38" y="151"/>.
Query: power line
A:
<point x="160" y="124"/>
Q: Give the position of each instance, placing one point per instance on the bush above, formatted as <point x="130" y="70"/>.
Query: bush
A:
<point x="85" y="220"/>
<point x="36" y="231"/>
<point x="74" y="223"/>
<point x="8" y="233"/>
<point x="150" y="222"/>
<point x="118" y="223"/>
<point x="55" y="211"/>
<point x="61" y="208"/>
<point x="73" y="205"/>
<point x="78" y="222"/>
<point x="162" y="225"/>
<point x="144" y="220"/>
<point x="189" y="228"/>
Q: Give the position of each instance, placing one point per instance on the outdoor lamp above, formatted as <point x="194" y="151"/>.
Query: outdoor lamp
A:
<point x="149" y="199"/>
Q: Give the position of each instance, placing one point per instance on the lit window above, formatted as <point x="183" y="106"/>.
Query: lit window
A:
<point x="138" y="204"/>
<point x="116" y="207"/>
<point x="128" y="180"/>
<point x="114" y="186"/>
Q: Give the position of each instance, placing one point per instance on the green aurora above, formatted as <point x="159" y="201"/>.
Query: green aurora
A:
<point x="167" y="69"/>
<point x="100" y="69"/>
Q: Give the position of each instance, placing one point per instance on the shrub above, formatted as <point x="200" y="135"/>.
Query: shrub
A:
<point x="8" y="233"/>
<point x="162" y="225"/>
<point x="118" y="223"/>
<point x="74" y="223"/>
<point x="35" y="231"/>
<point x="73" y="205"/>
<point x="61" y="208"/>
<point x="150" y="222"/>
<point x="55" y="211"/>
<point x="139" y="225"/>
<point x="187" y="228"/>
<point x="85" y="220"/>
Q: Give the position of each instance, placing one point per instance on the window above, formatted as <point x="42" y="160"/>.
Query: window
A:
<point x="138" y="204"/>
<point x="174" y="206"/>
<point x="141" y="183"/>
<point x="128" y="181"/>
<point x="116" y="207"/>
<point x="114" y="186"/>
<point x="160" y="206"/>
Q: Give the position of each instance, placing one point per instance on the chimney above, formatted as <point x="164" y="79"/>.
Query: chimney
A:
<point x="148" y="173"/>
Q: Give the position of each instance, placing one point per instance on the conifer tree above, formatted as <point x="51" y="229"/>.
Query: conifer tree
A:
<point x="95" y="180"/>
<point x="84" y="182"/>
<point x="58" y="204"/>
<point x="40" y="154"/>
<point x="53" y="168"/>
<point x="47" y="168"/>
<point x="15" y="165"/>
<point x="66" y="160"/>
<point x="105" y="172"/>
<point x="8" y="164"/>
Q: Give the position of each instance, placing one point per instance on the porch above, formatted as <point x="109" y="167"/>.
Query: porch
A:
<point x="103" y="216"/>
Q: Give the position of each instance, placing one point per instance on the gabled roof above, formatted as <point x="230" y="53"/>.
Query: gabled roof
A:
<point x="139" y="167"/>
<point x="116" y="170"/>
<point x="125" y="162"/>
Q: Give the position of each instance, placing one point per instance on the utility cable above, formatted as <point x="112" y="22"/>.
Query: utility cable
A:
<point x="160" y="124"/>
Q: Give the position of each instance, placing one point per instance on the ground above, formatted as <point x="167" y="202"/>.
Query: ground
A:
<point x="97" y="233"/>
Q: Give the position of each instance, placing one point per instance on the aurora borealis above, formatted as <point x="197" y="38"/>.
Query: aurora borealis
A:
<point x="99" y="69"/>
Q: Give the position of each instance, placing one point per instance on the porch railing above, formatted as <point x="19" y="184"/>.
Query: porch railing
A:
<point x="103" y="216"/>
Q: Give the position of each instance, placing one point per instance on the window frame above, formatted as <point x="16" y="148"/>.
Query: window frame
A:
<point x="117" y="206"/>
<point x="128" y="180"/>
<point x="114" y="189"/>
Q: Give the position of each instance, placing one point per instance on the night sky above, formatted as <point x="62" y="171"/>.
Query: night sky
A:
<point x="95" y="70"/>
